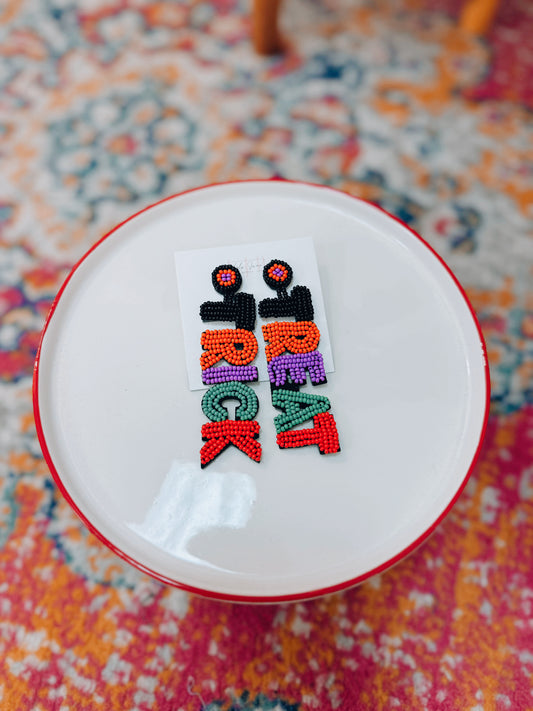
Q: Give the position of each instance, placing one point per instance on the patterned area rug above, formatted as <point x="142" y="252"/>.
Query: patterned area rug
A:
<point x="107" y="106"/>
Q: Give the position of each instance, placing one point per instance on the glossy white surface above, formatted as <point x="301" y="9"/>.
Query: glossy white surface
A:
<point x="123" y="429"/>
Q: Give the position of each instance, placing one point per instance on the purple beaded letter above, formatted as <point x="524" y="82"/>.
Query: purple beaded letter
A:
<point x="295" y="365"/>
<point x="226" y="374"/>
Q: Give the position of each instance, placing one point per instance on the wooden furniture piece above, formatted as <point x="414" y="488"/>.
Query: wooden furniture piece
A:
<point x="476" y="17"/>
<point x="265" y="29"/>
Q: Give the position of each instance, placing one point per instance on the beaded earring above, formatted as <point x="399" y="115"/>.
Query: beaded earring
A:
<point x="238" y="346"/>
<point x="292" y="355"/>
<point x="236" y="307"/>
<point x="278" y="275"/>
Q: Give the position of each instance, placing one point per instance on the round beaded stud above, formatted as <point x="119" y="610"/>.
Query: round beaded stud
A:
<point x="277" y="274"/>
<point x="226" y="279"/>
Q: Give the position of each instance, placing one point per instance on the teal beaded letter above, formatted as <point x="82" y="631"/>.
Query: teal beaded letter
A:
<point x="213" y="398"/>
<point x="299" y="407"/>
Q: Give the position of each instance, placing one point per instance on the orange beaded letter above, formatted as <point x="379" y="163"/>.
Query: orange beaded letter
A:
<point x="235" y="345"/>
<point x="292" y="336"/>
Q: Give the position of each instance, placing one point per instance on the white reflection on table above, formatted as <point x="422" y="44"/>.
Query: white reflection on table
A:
<point x="191" y="502"/>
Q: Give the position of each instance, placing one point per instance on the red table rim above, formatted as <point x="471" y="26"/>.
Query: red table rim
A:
<point x="257" y="598"/>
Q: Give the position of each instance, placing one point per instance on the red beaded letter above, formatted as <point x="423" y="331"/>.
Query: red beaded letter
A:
<point x="219" y="435"/>
<point x="324" y="434"/>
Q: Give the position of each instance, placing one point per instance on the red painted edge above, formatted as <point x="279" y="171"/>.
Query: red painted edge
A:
<point x="254" y="598"/>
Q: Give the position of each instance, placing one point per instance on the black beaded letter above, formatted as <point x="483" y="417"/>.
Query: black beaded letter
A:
<point x="278" y="276"/>
<point x="236" y="307"/>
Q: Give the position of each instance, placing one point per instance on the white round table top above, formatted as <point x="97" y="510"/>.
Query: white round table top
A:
<point x="121" y="428"/>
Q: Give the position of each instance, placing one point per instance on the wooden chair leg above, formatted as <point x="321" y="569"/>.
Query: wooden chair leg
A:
<point x="477" y="16"/>
<point x="265" y="32"/>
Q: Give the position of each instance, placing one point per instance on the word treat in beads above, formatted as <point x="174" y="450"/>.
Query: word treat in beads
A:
<point x="292" y="356"/>
<point x="238" y="347"/>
